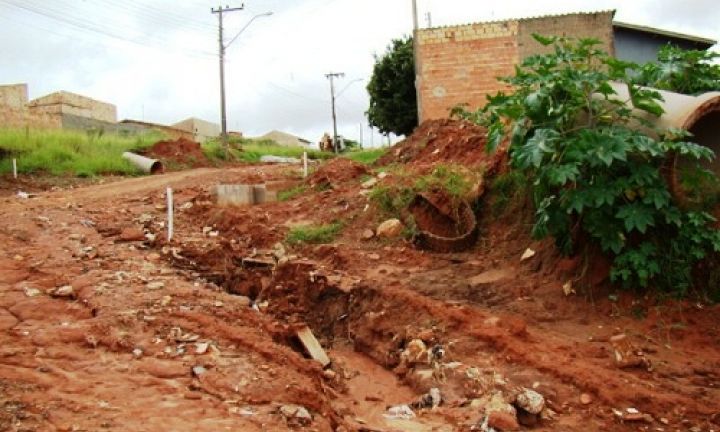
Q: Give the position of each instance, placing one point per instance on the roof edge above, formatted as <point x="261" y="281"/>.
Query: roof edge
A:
<point x="530" y="18"/>
<point x="668" y="33"/>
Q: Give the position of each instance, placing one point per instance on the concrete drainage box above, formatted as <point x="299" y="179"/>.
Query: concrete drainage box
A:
<point x="241" y="194"/>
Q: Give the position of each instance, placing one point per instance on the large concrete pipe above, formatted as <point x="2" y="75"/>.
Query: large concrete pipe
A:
<point x="152" y="166"/>
<point x="700" y="115"/>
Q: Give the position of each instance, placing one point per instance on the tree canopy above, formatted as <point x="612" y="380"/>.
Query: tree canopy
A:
<point x="393" y="102"/>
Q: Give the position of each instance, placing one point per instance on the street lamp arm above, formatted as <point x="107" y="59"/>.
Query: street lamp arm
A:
<point x="246" y="26"/>
<point x="346" y="87"/>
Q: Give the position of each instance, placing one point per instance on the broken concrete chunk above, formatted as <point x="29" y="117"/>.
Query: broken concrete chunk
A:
<point x="198" y="370"/>
<point x="390" y="228"/>
<point x="312" y="346"/>
<point x="32" y="292"/>
<point x="152" y="286"/>
<point x="234" y="194"/>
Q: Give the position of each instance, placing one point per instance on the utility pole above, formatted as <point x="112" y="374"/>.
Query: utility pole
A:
<point x="361" y="135"/>
<point x="428" y="19"/>
<point x="223" y="114"/>
<point x="416" y="61"/>
<point x="331" y="76"/>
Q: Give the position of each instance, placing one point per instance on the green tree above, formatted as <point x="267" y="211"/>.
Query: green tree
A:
<point x="684" y="71"/>
<point x="393" y="103"/>
<point x="593" y="175"/>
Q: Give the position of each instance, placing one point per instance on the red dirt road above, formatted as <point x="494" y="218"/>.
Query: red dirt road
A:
<point x="151" y="337"/>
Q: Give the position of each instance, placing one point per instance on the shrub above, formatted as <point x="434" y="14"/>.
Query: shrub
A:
<point x="594" y="176"/>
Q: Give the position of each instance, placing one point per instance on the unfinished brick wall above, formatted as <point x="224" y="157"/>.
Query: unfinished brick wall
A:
<point x="13" y="95"/>
<point x="73" y="104"/>
<point x="20" y="118"/>
<point x="461" y="64"/>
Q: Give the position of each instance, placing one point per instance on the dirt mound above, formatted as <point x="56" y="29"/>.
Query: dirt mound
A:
<point x="337" y="171"/>
<point x="179" y="152"/>
<point x="442" y="140"/>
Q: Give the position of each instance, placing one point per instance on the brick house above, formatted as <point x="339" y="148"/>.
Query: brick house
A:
<point x="460" y="64"/>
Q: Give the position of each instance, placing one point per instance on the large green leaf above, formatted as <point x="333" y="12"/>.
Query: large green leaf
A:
<point x="636" y="216"/>
<point x="540" y="144"/>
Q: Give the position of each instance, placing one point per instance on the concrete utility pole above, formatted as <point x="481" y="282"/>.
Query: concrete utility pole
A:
<point x="331" y="76"/>
<point x="223" y="120"/>
<point x="416" y="62"/>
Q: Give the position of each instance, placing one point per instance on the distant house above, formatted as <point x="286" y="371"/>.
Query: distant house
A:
<point x="201" y="129"/>
<point x="460" y="64"/>
<point x="641" y="44"/>
<point x="286" y="139"/>
<point x="59" y="110"/>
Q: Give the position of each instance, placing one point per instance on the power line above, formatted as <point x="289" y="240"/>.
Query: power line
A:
<point x="159" y="15"/>
<point x="83" y="25"/>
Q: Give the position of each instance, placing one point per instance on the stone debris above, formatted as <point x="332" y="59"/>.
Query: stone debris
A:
<point x="198" y="370"/>
<point x="403" y="412"/>
<point x="201" y="347"/>
<point x="390" y="228"/>
<point x="368" y="234"/>
<point x="296" y="415"/>
<point x="499" y="414"/>
<point x="32" y="292"/>
<point x="530" y="401"/>
<point x="626" y="355"/>
<point x="431" y="399"/>
<point x="415" y="352"/>
<point x="586" y="399"/>
<point x="529" y="253"/>
<point x="65" y="291"/>
<point x="369" y="183"/>
<point x="153" y="286"/>
<point x="132" y="234"/>
<point x="312" y="346"/>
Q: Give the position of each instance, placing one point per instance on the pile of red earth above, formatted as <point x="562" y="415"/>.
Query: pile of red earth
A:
<point x="336" y="172"/>
<point x="443" y="140"/>
<point x="180" y="152"/>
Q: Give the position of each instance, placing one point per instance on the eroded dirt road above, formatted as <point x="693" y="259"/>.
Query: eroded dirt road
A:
<point x="103" y="330"/>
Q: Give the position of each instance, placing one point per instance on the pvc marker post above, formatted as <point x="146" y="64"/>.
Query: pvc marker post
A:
<point x="170" y="214"/>
<point x="15" y="168"/>
<point x="305" y="173"/>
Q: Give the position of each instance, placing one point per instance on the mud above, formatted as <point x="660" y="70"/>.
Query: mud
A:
<point x="179" y="153"/>
<point x="199" y="333"/>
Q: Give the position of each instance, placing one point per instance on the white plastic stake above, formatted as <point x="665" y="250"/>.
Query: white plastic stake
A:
<point x="170" y="213"/>
<point x="14" y="168"/>
<point x="305" y="173"/>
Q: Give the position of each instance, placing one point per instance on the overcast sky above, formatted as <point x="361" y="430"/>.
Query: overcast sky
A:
<point x="157" y="59"/>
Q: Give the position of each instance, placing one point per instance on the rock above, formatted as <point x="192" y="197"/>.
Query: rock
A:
<point x="368" y="234"/>
<point x="201" y="347"/>
<point x="152" y="286"/>
<point x="586" y="399"/>
<point x="137" y="352"/>
<point x="530" y="400"/>
<point x="296" y="414"/>
<point x="32" y="292"/>
<point x="529" y="253"/>
<point x="390" y="228"/>
<point x="198" y="370"/>
<point x="373" y="256"/>
<point x="527" y="419"/>
<point x="399" y="412"/>
<point x="66" y="291"/>
<point x="370" y="183"/>
<point x="132" y="234"/>
<point x="382" y="175"/>
<point x="503" y="421"/>
<point x="415" y="351"/>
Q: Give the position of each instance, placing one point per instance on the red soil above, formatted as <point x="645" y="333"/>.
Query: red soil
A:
<point x="182" y="152"/>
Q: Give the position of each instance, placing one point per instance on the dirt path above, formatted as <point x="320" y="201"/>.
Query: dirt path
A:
<point x="101" y="333"/>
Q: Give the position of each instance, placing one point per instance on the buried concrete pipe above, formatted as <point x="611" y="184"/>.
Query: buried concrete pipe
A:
<point x="152" y="166"/>
<point x="700" y="115"/>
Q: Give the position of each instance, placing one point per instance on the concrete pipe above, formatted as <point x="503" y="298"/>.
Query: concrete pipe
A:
<point x="700" y="115"/>
<point x="152" y="166"/>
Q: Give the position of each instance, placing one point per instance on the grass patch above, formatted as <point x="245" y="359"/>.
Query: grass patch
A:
<point x="288" y="194"/>
<point x="250" y="150"/>
<point x="394" y="199"/>
<point x="65" y="152"/>
<point x="365" y="156"/>
<point x="314" y="234"/>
